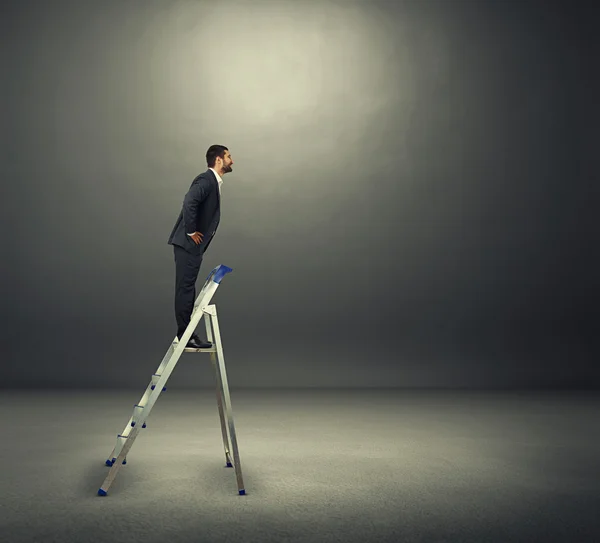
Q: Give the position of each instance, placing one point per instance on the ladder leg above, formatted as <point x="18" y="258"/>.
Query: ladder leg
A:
<point x="209" y="337"/>
<point x="141" y="413"/>
<point x="112" y="473"/>
<point x="224" y="389"/>
<point x="221" y="414"/>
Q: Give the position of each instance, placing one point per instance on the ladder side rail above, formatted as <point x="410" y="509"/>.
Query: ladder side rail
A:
<point x="222" y="375"/>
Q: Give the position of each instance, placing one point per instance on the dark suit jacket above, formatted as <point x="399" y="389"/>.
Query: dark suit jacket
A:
<point x="201" y="212"/>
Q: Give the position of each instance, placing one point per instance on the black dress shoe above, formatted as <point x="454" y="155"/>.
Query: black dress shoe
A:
<point x="196" y="343"/>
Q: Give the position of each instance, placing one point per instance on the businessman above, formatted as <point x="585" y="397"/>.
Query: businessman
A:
<point x="194" y="230"/>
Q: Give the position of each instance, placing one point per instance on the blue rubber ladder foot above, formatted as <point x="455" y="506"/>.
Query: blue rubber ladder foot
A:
<point x="242" y="492"/>
<point x="102" y="492"/>
<point x="110" y="463"/>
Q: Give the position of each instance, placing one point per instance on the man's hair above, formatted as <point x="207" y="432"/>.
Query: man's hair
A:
<point x="213" y="152"/>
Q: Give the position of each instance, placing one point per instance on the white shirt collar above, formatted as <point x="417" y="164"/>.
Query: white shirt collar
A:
<point x="218" y="177"/>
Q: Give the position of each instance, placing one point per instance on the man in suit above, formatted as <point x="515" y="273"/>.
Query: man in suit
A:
<point x="194" y="230"/>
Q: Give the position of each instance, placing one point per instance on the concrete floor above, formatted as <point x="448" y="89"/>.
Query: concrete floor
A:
<point x="318" y="466"/>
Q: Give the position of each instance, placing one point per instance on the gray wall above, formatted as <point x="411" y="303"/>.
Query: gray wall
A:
<point x="412" y="203"/>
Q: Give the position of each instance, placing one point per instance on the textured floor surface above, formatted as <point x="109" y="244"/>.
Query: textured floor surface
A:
<point x="318" y="466"/>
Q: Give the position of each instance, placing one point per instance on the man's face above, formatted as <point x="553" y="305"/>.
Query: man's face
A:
<point x="227" y="162"/>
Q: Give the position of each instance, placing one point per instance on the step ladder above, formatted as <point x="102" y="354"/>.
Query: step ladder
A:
<point x="141" y="410"/>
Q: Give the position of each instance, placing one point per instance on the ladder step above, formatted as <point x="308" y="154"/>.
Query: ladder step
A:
<point x="155" y="379"/>
<point x="137" y="411"/>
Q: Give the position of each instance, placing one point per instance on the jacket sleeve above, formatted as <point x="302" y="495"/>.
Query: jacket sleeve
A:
<point x="195" y="196"/>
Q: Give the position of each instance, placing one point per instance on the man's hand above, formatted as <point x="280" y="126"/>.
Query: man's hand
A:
<point x="197" y="237"/>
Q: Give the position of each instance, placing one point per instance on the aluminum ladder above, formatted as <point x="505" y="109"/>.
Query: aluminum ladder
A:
<point x="141" y="410"/>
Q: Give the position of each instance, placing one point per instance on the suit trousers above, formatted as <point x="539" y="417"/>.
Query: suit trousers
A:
<point x="187" y="266"/>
